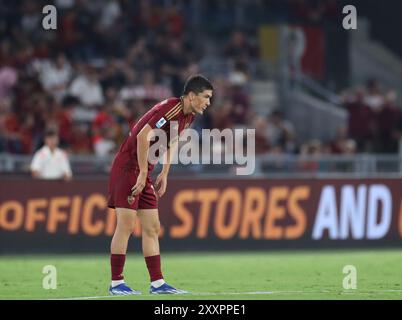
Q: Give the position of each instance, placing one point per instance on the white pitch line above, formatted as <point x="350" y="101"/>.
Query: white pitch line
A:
<point x="251" y="293"/>
<point x="203" y="294"/>
<point x="245" y="293"/>
<point x="86" y="298"/>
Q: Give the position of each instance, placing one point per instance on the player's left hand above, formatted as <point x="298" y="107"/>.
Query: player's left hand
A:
<point x="160" y="184"/>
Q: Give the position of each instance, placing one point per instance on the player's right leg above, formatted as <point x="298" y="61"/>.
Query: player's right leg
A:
<point x="118" y="248"/>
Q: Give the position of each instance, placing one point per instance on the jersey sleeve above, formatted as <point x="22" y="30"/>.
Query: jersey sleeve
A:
<point x="167" y="112"/>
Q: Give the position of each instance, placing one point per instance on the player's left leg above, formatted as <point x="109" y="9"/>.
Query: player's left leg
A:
<point x="150" y="226"/>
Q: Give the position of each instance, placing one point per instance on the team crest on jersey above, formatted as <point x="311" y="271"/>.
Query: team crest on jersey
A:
<point x="130" y="200"/>
<point x="161" y="122"/>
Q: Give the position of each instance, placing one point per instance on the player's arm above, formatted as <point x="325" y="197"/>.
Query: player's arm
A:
<point x="142" y="158"/>
<point x="166" y="114"/>
<point x="161" y="180"/>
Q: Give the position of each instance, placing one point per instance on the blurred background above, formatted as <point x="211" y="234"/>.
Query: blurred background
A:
<point x="325" y="103"/>
<point x="321" y="98"/>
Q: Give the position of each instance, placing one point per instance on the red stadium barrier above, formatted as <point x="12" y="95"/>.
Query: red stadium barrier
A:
<point x="50" y="216"/>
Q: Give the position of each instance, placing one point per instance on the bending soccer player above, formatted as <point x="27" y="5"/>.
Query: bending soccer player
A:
<point x="131" y="192"/>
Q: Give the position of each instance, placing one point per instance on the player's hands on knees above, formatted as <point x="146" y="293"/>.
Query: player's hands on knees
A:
<point x="140" y="184"/>
<point x="160" y="184"/>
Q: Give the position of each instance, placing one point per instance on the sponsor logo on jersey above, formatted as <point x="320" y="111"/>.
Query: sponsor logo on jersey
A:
<point x="160" y="122"/>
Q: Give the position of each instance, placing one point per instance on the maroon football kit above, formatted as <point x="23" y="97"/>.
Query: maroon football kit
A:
<point x="125" y="169"/>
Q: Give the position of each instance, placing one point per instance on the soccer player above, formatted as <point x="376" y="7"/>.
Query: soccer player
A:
<point x="131" y="192"/>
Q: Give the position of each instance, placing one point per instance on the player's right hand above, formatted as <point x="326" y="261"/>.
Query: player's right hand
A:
<point x="140" y="184"/>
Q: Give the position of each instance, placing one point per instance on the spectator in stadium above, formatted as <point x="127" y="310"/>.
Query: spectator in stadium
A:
<point x="50" y="162"/>
<point x="153" y="65"/>
<point x="280" y="131"/>
<point x="31" y="17"/>
<point x="81" y="139"/>
<point x="239" y="48"/>
<point x="374" y="97"/>
<point x="104" y="142"/>
<point x="147" y="18"/>
<point x="86" y="87"/>
<point x="176" y="57"/>
<point x="221" y="116"/>
<point x="310" y="152"/>
<point x="360" y="120"/>
<point x="105" y="41"/>
<point x="262" y="145"/>
<point x="10" y="129"/>
<point x="3" y="133"/>
<point x="113" y="75"/>
<point x="387" y="122"/>
<point x="8" y="79"/>
<point x="295" y="48"/>
<point x="55" y="76"/>
<point x="104" y="128"/>
<point x="373" y="117"/>
<point x="148" y="90"/>
<point x="174" y="21"/>
<point x="139" y="58"/>
<point x="342" y="144"/>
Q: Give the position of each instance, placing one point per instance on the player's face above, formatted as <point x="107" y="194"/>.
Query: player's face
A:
<point x="201" y="101"/>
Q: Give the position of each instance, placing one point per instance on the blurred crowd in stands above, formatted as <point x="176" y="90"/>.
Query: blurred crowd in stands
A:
<point x="374" y="123"/>
<point x="109" y="61"/>
<point x="375" y="119"/>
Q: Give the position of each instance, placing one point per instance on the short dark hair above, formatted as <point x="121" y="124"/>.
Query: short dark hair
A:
<point x="50" y="132"/>
<point x="197" y="84"/>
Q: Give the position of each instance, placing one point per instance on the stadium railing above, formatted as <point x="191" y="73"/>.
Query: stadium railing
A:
<point x="286" y="165"/>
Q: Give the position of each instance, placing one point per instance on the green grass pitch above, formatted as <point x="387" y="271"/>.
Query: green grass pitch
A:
<point x="239" y="275"/>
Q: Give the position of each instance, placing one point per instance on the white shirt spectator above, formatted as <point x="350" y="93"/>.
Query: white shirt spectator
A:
<point x="374" y="101"/>
<point x="89" y="92"/>
<point x="51" y="165"/>
<point x="110" y="12"/>
<point x="55" y="79"/>
<point x="154" y="92"/>
<point x="104" y="147"/>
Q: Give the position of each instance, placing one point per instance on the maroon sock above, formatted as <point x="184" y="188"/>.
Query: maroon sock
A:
<point x="117" y="263"/>
<point x="154" y="267"/>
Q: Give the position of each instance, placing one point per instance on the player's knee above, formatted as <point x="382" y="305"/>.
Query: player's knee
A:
<point x="152" y="230"/>
<point x="127" y="227"/>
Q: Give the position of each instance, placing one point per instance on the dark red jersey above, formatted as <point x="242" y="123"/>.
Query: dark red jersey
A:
<point x="159" y="116"/>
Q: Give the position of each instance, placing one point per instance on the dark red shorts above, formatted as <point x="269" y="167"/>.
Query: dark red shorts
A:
<point x="120" y="183"/>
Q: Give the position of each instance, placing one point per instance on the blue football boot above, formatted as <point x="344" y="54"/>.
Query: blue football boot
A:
<point x="166" y="289"/>
<point x="122" y="290"/>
